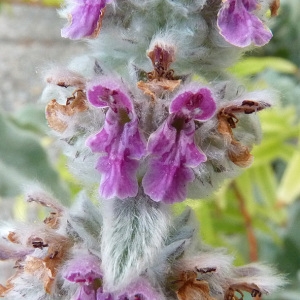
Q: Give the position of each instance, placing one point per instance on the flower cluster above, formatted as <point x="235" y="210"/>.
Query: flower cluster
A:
<point x="62" y="258"/>
<point x="144" y="118"/>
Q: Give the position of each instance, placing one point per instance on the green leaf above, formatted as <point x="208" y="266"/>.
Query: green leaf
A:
<point x="52" y="2"/>
<point x="254" y="65"/>
<point x="31" y="117"/>
<point x="289" y="188"/>
<point x="265" y="180"/>
<point x="270" y="150"/>
<point x="203" y="214"/>
<point x="23" y="160"/>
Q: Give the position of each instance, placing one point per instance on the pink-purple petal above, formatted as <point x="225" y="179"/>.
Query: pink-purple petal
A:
<point x="198" y="104"/>
<point x="172" y="155"/>
<point x="140" y="290"/>
<point x="119" y="142"/>
<point x="84" y="18"/>
<point x="250" y="5"/>
<point x="85" y="293"/>
<point x="107" y="92"/>
<point x="167" y="182"/>
<point x="240" y="26"/>
<point x="261" y="34"/>
<point x="103" y="296"/>
<point x="118" y="177"/>
<point x="83" y="268"/>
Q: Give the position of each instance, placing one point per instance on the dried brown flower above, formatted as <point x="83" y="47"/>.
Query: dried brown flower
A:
<point x="162" y="78"/>
<point x="238" y="153"/>
<point x="253" y="289"/>
<point x="192" y="288"/>
<point x="274" y="7"/>
<point x="55" y="112"/>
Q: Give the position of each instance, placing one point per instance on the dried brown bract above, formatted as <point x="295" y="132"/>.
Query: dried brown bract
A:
<point x="156" y="87"/>
<point x="253" y="289"/>
<point x="7" y="287"/>
<point x="53" y="220"/>
<point x="274" y="7"/>
<point x="13" y="237"/>
<point x="54" y="248"/>
<point x="192" y="288"/>
<point x="238" y="153"/>
<point x="38" y="242"/>
<point x="99" y="24"/>
<point x="56" y="112"/>
<point x="162" y="78"/>
<point x="161" y="59"/>
<point x="46" y="268"/>
<point x="65" y="78"/>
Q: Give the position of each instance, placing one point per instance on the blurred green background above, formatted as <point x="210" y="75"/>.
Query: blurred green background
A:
<point x="257" y="215"/>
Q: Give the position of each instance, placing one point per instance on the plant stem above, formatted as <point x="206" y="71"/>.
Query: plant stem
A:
<point x="252" y="241"/>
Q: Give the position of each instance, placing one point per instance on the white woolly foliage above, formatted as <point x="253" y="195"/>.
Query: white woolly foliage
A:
<point x="265" y="277"/>
<point x="134" y="230"/>
<point x="183" y="227"/>
<point x="179" y="239"/>
<point x="58" y="93"/>
<point x="36" y="193"/>
<point x="205" y="260"/>
<point x="86" y="221"/>
<point x="212" y="266"/>
<point x="201" y="49"/>
<point x="12" y="251"/>
<point x="60" y="76"/>
<point x="30" y="287"/>
<point x="81" y="161"/>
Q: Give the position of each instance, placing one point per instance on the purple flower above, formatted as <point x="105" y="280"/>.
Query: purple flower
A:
<point x="85" y="18"/>
<point x="140" y="290"/>
<point x="172" y="149"/>
<point x="240" y="26"/>
<point x="119" y="141"/>
<point x="84" y="269"/>
<point x="104" y="296"/>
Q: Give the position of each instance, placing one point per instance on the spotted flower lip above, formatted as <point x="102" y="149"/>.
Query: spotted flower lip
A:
<point x="172" y="149"/>
<point x="240" y="26"/>
<point x="119" y="141"/>
<point x="195" y="104"/>
<point x="85" y="19"/>
<point x="140" y="290"/>
<point x="84" y="269"/>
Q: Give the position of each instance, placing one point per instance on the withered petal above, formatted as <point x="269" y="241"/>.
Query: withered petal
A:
<point x="240" y="155"/>
<point x="47" y="268"/>
<point x="274" y="7"/>
<point x="54" y="110"/>
<point x="155" y="88"/>
<point x="192" y="288"/>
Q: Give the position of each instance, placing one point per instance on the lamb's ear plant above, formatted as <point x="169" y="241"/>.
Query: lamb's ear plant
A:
<point x="151" y="117"/>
